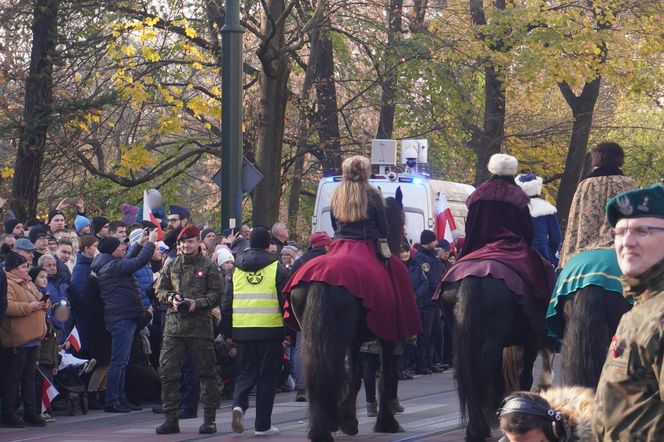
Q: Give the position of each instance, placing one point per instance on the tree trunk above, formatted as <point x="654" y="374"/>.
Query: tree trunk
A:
<point x="37" y="111"/>
<point x="389" y="74"/>
<point x="583" y="107"/>
<point x="327" y="117"/>
<point x="488" y="140"/>
<point x="274" y="97"/>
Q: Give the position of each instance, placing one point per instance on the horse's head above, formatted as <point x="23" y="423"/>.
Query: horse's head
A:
<point x="396" y="221"/>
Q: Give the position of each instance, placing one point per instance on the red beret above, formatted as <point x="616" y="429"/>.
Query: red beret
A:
<point x="320" y="239"/>
<point x="191" y="231"/>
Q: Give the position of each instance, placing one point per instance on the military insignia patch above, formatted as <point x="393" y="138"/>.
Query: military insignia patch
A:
<point x="643" y="207"/>
<point x="426" y="267"/>
<point x="255" y="278"/>
<point x="625" y="205"/>
<point x="199" y="273"/>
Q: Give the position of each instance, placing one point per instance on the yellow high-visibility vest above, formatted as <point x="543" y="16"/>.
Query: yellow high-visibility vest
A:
<point x="255" y="301"/>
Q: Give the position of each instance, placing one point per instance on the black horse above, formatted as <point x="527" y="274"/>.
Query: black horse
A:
<point x="333" y="324"/>
<point x="487" y="319"/>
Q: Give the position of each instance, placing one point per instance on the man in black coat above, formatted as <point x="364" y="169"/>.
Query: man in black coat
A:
<point x="320" y="244"/>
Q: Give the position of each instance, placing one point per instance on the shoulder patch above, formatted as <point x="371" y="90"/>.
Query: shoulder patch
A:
<point x="426" y="267"/>
<point x="199" y="273"/>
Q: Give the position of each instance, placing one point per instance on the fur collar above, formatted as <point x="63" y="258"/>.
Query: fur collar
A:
<point x="577" y="405"/>
<point x="539" y="207"/>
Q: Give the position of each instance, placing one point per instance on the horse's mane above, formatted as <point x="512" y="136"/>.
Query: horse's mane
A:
<point x="396" y="222"/>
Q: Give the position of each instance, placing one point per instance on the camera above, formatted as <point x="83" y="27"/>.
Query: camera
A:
<point x="183" y="307"/>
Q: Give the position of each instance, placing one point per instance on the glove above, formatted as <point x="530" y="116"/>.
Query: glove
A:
<point x="145" y="341"/>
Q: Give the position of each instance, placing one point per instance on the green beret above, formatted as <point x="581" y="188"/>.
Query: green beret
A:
<point x="640" y="203"/>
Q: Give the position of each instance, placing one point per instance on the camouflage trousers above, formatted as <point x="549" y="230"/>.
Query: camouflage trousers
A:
<point x="172" y="356"/>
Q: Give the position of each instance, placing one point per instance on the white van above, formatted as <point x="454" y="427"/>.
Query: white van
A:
<point x="420" y="200"/>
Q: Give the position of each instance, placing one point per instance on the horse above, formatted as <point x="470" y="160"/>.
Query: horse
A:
<point x="487" y="319"/>
<point x="334" y="326"/>
<point x="591" y="315"/>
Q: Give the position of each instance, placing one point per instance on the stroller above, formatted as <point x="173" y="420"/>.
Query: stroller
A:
<point x="72" y="389"/>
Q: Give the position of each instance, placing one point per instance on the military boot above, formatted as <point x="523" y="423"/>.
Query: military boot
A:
<point x="170" y="424"/>
<point x="208" y="426"/>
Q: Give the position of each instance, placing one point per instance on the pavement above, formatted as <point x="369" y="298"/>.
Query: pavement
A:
<point x="431" y="414"/>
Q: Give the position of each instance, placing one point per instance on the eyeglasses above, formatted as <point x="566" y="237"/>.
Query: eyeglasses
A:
<point x="638" y="231"/>
<point x="172" y="220"/>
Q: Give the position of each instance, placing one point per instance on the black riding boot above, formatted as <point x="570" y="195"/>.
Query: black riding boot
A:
<point x="170" y="424"/>
<point x="208" y="426"/>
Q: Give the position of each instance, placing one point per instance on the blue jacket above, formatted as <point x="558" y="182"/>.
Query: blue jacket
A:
<point x="58" y="287"/>
<point x="79" y="278"/>
<point x="547" y="237"/>
<point x="433" y="268"/>
<point x="419" y="281"/>
<point x="145" y="278"/>
<point x="120" y="291"/>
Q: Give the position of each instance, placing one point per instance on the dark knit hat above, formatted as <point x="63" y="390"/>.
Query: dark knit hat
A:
<point x="444" y="244"/>
<point x="405" y="246"/>
<point x="52" y="214"/>
<point x="189" y="232"/>
<point x="259" y="238"/>
<point x="427" y="237"/>
<point x="13" y="260"/>
<point x="10" y="224"/>
<point x="98" y="223"/>
<point x="36" y="232"/>
<point x="108" y="245"/>
<point x="207" y="231"/>
<point x="608" y="154"/>
<point x="34" y="272"/>
<point x="639" y="203"/>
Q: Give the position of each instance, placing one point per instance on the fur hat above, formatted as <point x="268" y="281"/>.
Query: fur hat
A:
<point x="577" y="406"/>
<point x="503" y="165"/>
<point x="530" y="183"/>
<point x="608" y="154"/>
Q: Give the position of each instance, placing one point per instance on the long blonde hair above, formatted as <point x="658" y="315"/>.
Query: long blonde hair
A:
<point x="350" y="200"/>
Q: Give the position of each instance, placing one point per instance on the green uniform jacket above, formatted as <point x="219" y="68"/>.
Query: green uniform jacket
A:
<point x="630" y="394"/>
<point x="48" y="350"/>
<point x="193" y="277"/>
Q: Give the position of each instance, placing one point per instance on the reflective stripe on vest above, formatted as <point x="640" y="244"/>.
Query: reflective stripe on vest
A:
<point x="255" y="301"/>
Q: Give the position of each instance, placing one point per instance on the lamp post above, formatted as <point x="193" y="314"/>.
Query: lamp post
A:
<point x="231" y="117"/>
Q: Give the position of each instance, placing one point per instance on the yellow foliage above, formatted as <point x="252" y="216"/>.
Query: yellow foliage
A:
<point x="148" y="35"/>
<point x="151" y="21"/>
<point x="198" y="106"/>
<point x="6" y="172"/>
<point x="128" y="50"/>
<point x="190" y="32"/>
<point x="136" y="156"/>
<point x="150" y="54"/>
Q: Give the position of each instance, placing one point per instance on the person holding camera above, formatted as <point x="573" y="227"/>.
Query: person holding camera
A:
<point x="191" y="286"/>
<point x="123" y="307"/>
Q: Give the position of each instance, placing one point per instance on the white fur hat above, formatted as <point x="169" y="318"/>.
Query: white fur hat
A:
<point x="503" y="165"/>
<point x="530" y="183"/>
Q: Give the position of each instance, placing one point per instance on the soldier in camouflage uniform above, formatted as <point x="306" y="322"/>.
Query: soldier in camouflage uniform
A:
<point x="191" y="279"/>
<point x="630" y="394"/>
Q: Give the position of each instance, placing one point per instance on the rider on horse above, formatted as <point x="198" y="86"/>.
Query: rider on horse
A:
<point x="381" y="283"/>
<point x="499" y="236"/>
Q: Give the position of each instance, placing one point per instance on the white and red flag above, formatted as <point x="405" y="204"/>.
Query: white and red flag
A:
<point x="48" y="393"/>
<point x="445" y="223"/>
<point x="148" y="216"/>
<point x="74" y="339"/>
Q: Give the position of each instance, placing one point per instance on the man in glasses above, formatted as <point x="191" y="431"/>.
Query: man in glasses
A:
<point x="178" y="219"/>
<point x="630" y="394"/>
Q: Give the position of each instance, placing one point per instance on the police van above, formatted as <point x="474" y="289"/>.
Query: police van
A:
<point x="423" y="197"/>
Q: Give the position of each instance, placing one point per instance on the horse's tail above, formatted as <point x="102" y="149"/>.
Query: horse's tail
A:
<point x="512" y="368"/>
<point x="324" y="353"/>
<point x="587" y="336"/>
<point x="473" y="383"/>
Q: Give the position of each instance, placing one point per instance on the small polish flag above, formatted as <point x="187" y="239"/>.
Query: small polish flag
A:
<point x="48" y="393"/>
<point x="74" y="339"/>
<point x="147" y="215"/>
<point x="445" y="223"/>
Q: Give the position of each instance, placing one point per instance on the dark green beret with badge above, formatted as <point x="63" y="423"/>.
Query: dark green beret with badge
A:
<point x="640" y="203"/>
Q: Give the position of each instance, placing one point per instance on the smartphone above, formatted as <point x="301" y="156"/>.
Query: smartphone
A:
<point x="45" y="297"/>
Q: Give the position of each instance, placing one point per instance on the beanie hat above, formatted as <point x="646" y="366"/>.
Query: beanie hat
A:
<point x="98" y="223"/>
<point x="530" y="183"/>
<point x="224" y="255"/>
<point x="320" y="239"/>
<point x="52" y="214"/>
<point x="259" y="238"/>
<point x="405" y="247"/>
<point x="427" y="237"/>
<point x="444" y="244"/>
<point x="239" y="245"/>
<point x="130" y="213"/>
<point x="189" y="232"/>
<point x="13" y="260"/>
<point x="135" y="236"/>
<point x="205" y="232"/>
<point x="81" y="222"/>
<point x="608" y="154"/>
<point x="108" y="245"/>
<point x="503" y="165"/>
<point x="10" y="224"/>
<point x="34" y="272"/>
<point x="36" y="232"/>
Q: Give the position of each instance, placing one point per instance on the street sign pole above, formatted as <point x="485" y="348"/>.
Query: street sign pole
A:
<point x="231" y="117"/>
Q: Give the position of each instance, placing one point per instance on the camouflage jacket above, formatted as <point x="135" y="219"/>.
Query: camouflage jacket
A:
<point x="630" y="394"/>
<point x="191" y="277"/>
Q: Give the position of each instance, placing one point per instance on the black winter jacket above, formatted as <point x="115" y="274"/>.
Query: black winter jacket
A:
<point x="119" y="288"/>
<point x="311" y="254"/>
<point x="433" y="269"/>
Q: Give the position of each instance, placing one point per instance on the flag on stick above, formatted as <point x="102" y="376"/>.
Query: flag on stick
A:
<point x="48" y="393"/>
<point x="445" y="223"/>
<point x="74" y="339"/>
